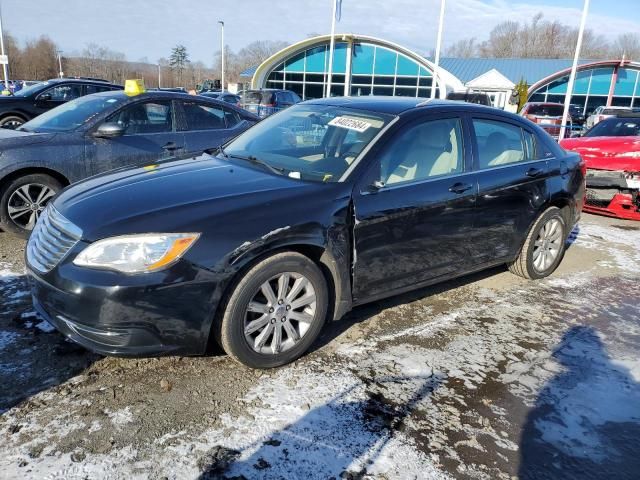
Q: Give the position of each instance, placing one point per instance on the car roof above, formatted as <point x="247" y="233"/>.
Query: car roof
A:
<point x="82" y="80"/>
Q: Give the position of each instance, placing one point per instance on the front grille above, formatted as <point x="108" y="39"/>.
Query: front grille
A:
<point x="51" y="240"/>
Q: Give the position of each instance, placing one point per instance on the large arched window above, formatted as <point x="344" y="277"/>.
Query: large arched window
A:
<point x="592" y="87"/>
<point x="370" y="70"/>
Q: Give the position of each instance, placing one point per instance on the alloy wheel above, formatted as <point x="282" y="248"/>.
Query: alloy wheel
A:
<point x="12" y="124"/>
<point x="548" y="245"/>
<point x="27" y="202"/>
<point x="280" y="313"/>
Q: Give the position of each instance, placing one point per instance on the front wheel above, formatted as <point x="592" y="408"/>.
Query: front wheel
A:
<point x="544" y="247"/>
<point x="12" y="122"/>
<point x="23" y="200"/>
<point x="276" y="311"/>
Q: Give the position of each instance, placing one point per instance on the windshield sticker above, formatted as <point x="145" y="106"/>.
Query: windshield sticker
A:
<point x="350" y="123"/>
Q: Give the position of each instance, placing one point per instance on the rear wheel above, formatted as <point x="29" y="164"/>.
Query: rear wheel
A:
<point x="276" y="311"/>
<point x="23" y="200"/>
<point x="11" y="121"/>
<point x="544" y="247"/>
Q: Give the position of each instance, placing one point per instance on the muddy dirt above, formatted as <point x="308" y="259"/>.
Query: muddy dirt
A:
<point x="489" y="376"/>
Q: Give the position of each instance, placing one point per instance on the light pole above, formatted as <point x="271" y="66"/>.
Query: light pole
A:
<point x="4" y="59"/>
<point x="221" y="54"/>
<point x="59" y="52"/>
<point x="159" y="75"/>
<point x="436" y="63"/>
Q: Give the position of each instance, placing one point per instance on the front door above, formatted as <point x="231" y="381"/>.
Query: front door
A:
<point x="413" y="225"/>
<point x="512" y="181"/>
<point x="56" y="96"/>
<point x="149" y="136"/>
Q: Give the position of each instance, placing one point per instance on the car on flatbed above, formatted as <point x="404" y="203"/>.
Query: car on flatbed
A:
<point x="101" y="132"/>
<point x="327" y="205"/>
<point x="32" y="101"/>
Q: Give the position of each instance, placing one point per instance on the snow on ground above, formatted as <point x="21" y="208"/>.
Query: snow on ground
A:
<point x="473" y="382"/>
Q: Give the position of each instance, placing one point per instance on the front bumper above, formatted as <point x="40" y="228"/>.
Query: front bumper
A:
<point x="612" y="193"/>
<point x="124" y="315"/>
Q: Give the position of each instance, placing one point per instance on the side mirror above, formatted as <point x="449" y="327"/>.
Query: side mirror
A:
<point x="109" y="130"/>
<point x="375" y="186"/>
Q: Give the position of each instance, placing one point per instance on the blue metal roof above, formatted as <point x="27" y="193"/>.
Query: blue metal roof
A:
<point x="531" y="69"/>
<point x="248" y="72"/>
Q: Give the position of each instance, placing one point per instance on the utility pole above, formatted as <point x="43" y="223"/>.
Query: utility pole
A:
<point x="159" y="78"/>
<point x="332" y="45"/>
<point x="59" y="52"/>
<point x="5" y="61"/>
<point x="221" y="54"/>
<point x="436" y="63"/>
<point x="574" y="68"/>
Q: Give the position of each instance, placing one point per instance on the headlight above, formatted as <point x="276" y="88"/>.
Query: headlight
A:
<point x="136" y="253"/>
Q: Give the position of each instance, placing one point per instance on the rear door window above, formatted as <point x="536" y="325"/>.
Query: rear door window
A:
<point x="64" y="93"/>
<point x="145" y="118"/>
<point x="499" y="143"/>
<point x="200" y="116"/>
<point x="89" y="89"/>
<point x="546" y="110"/>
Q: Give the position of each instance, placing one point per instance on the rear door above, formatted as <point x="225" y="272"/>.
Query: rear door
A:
<point x="512" y="180"/>
<point x="207" y="125"/>
<point x="415" y="224"/>
<point x="150" y="135"/>
<point x="57" y="95"/>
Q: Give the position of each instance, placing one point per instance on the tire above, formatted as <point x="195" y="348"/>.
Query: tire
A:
<point x="270" y="316"/>
<point x="21" y="219"/>
<point x="12" y="121"/>
<point x="531" y="262"/>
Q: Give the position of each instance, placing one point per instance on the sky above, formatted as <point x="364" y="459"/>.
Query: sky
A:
<point x="148" y="29"/>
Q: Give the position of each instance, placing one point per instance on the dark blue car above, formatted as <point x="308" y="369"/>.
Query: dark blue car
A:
<point x="327" y="205"/>
<point x="101" y="132"/>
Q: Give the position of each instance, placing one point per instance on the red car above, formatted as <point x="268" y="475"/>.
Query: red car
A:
<point x="611" y="150"/>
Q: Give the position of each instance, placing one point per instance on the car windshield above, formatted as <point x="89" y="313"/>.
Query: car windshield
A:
<point x="71" y="115"/>
<point x="546" y="110"/>
<point x="28" y="91"/>
<point x="616" y="127"/>
<point x="309" y="142"/>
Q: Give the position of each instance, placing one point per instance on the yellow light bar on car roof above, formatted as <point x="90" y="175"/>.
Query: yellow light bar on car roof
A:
<point x="134" y="87"/>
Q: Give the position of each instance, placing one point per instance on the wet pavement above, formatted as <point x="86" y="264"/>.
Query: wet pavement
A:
<point x="489" y="376"/>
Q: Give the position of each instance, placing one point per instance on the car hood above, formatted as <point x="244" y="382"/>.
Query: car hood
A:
<point x="607" y="153"/>
<point x="173" y="195"/>
<point x="15" y="138"/>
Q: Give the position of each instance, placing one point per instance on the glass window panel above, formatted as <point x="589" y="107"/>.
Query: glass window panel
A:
<point x="313" y="91"/>
<point x="626" y="82"/>
<point x="315" y="77"/>
<point x="295" y="87"/>
<point x="383" y="90"/>
<point x="621" y="102"/>
<point x="638" y="87"/>
<point x="385" y="61"/>
<point x="295" y="64"/>
<point x="406" y="66"/>
<point x="274" y="84"/>
<point x="595" y="102"/>
<point x="406" y="92"/>
<point x="316" y="59"/>
<point x="424" y="72"/>
<point x="408" y="81"/>
<point x="361" y="79"/>
<point x="294" y="77"/>
<point x="362" y="62"/>
<point x="337" y="78"/>
<point x="276" y="76"/>
<point x="499" y="143"/>
<point x="581" y="85"/>
<point x="340" y="58"/>
<point x="425" y="82"/>
<point x="337" y="90"/>
<point x="601" y="81"/>
<point x="279" y="68"/>
<point x="537" y="97"/>
<point x="383" y="80"/>
<point x="559" y="85"/>
<point x="359" y="91"/>
<point x="424" y="92"/>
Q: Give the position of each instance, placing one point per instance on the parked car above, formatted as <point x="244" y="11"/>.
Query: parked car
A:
<point x="611" y="151"/>
<point x="547" y="115"/>
<point x="327" y="205"/>
<point x="471" y="97"/>
<point x="30" y="102"/>
<point x="268" y="101"/>
<point x="101" y="132"/>
<point x="577" y="115"/>
<point x="223" y="96"/>
<point x="603" y="112"/>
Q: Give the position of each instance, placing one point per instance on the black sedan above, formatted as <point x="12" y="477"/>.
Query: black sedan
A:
<point x="330" y="204"/>
<point x="101" y="132"/>
<point x="32" y="101"/>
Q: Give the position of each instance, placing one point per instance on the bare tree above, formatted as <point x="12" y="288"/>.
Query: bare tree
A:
<point x="627" y="45"/>
<point x="465" y="48"/>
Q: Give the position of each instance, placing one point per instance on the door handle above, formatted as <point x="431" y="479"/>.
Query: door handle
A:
<point x="460" y="187"/>
<point x="170" y="146"/>
<point x="534" y="172"/>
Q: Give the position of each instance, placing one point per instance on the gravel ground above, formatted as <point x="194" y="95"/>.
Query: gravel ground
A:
<point x="489" y="376"/>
